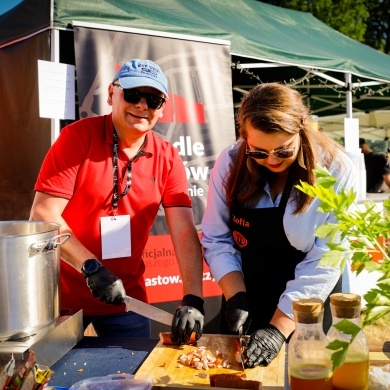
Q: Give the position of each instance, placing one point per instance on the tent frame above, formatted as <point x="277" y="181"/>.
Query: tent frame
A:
<point x="347" y="85"/>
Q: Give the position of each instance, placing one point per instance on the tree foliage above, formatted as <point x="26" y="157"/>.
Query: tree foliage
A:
<point x="378" y="25"/>
<point x="366" y="21"/>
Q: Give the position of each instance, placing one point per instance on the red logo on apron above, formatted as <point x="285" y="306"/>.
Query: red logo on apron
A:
<point x="240" y="240"/>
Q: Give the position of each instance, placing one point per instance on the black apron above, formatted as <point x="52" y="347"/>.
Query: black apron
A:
<point x="268" y="261"/>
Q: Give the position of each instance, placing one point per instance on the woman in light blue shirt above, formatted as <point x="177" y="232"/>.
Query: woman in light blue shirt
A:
<point x="258" y="229"/>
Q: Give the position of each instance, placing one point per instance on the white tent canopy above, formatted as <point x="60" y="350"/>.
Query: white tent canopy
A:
<point x="374" y="125"/>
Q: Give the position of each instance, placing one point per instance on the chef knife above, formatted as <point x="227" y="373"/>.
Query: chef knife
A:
<point x="242" y="346"/>
<point x="149" y="311"/>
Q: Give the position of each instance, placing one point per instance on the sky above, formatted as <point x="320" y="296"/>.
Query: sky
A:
<point x="6" y="5"/>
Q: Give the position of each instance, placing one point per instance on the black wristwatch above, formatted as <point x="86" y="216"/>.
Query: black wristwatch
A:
<point x="90" y="267"/>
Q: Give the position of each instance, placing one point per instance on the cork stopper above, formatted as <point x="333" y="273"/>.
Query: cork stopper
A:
<point x="308" y="310"/>
<point x="345" y="305"/>
<point x="345" y="299"/>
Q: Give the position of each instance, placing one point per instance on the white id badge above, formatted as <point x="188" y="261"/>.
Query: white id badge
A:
<point x="115" y="236"/>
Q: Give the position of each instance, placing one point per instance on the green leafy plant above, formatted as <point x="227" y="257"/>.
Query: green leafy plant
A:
<point x="362" y="233"/>
<point x="339" y="347"/>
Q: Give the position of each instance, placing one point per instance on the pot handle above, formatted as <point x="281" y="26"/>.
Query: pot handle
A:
<point x="48" y="245"/>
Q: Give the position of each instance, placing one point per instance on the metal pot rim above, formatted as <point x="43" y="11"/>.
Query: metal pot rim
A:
<point x="11" y="228"/>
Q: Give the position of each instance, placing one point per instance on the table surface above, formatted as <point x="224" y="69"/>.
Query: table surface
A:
<point x="101" y="356"/>
<point x="162" y="365"/>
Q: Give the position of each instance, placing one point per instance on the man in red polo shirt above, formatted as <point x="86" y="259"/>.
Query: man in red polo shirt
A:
<point x="103" y="181"/>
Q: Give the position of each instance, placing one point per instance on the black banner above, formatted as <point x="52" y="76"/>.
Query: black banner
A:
<point x="198" y="120"/>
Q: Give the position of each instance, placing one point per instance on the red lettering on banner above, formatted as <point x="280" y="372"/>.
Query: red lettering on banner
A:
<point x="162" y="274"/>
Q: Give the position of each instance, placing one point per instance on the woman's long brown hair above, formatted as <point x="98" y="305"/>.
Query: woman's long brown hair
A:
<point x="273" y="108"/>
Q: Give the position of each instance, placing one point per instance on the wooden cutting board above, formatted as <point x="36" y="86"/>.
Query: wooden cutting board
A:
<point x="162" y="365"/>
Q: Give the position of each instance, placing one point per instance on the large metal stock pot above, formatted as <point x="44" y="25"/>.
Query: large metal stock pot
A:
<point x="29" y="275"/>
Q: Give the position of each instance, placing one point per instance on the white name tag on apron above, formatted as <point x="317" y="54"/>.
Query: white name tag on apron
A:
<point x="115" y="233"/>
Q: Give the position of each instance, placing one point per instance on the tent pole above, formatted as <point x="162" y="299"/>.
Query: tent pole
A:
<point x="351" y="141"/>
<point x="351" y="125"/>
<point x="348" y="82"/>
<point x="55" y="57"/>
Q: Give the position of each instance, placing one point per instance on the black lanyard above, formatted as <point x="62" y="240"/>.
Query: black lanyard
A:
<point x="115" y="147"/>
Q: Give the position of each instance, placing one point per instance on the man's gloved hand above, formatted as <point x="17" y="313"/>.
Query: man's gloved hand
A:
<point x="103" y="284"/>
<point x="264" y="345"/>
<point x="189" y="317"/>
<point x="237" y="312"/>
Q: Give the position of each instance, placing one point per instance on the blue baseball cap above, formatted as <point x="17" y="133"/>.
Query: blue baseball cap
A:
<point x="142" y="73"/>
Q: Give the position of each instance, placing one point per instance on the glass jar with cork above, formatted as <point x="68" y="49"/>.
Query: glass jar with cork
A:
<point x="309" y="362"/>
<point x="354" y="372"/>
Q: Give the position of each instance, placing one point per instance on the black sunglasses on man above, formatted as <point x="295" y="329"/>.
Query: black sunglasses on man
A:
<point x="134" y="95"/>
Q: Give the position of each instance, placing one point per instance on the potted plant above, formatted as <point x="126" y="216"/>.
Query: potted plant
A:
<point x="360" y="232"/>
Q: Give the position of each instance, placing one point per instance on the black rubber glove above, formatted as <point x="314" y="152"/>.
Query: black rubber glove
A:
<point x="237" y="312"/>
<point x="264" y="345"/>
<point x="189" y="317"/>
<point x="105" y="286"/>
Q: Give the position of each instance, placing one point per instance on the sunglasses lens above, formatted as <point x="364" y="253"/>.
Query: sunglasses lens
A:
<point x="258" y="154"/>
<point x="134" y="96"/>
<point x="154" y="102"/>
<point x="284" y="153"/>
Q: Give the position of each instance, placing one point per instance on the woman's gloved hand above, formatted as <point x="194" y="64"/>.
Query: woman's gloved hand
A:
<point x="103" y="284"/>
<point x="188" y="318"/>
<point x="264" y="345"/>
<point x="237" y="312"/>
